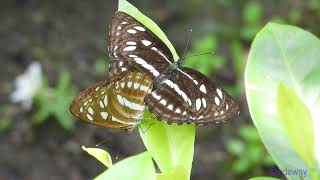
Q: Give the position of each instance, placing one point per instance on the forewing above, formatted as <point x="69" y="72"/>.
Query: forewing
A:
<point x="133" y="47"/>
<point x="117" y="104"/>
<point x="187" y="96"/>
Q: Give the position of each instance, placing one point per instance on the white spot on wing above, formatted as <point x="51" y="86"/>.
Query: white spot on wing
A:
<point x="146" y="42"/>
<point x="120" y="100"/>
<point x="129" y="84"/>
<point x="131" y="31"/>
<point x="132" y="55"/>
<point x="217" y="101"/>
<point x="170" y="107"/>
<point x="101" y="104"/>
<point x="131" y="43"/>
<point x="189" y="102"/>
<point x="105" y="100"/>
<point x="163" y="102"/>
<point x="178" y="111"/>
<point x="129" y="48"/>
<point x="219" y="92"/>
<point x="89" y="117"/>
<point x="139" y="28"/>
<point x="104" y="115"/>
<point x="90" y="110"/>
<point x="156" y="96"/>
<point x="147" y="66"/>
<point x="198" y="104"/>
<point x="204" y="102"/>
<point x="136" y="85"/>
<point x="203" y="88"/>
<point x="81" y="109"/>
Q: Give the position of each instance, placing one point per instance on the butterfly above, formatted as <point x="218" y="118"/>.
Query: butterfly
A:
<point x="176" y="94"/>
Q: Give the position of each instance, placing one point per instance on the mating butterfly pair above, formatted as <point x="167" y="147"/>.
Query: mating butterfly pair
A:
<point x="144" y="74"/>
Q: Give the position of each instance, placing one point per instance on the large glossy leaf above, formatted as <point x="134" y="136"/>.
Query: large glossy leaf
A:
<point x="138" y="167"/>
<point x="287" y="55"/>
<point x="170" y="145"/>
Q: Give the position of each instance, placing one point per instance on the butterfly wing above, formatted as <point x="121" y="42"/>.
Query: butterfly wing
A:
<point x="187" y="96"/>
<point x="116" y="104"/>
<point x="133" y="47"/>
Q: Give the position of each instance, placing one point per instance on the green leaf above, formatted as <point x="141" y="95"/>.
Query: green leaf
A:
<point x="252" y="13"/>
<point x="240" y="166"/>
<point x="264" y="178"/>
<point x="128" y="8"/>
<point x="55" y="102"/>
<point x="138" y="167"/>
<point x="235" y="147"/>
<point x="4" y="124"/>
<point x="170" y="145"/>
<point x="207" y="63"/>
<point x="175" y="173"/>
<point x="249" y="133"/>
<point x="100" y="154"/>
<point x="296" y="119"/>
<point x="100" y="65"/>
<point x="237" y="53"/>
<point x="288" y="55"/>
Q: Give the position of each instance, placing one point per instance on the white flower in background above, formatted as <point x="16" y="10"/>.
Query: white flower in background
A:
<point x="27" y="85"/>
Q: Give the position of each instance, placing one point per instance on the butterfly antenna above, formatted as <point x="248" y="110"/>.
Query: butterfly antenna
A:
<point x="201" y="54"/>
<point x="187" y="43"/>
<point x="97" y="145"/>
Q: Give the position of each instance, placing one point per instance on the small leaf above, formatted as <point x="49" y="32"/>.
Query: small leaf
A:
<point x="296" y="119"/>
<point x="100" y="154"/>
<point x="170" y="145"/>
<point x="138" y="167"/>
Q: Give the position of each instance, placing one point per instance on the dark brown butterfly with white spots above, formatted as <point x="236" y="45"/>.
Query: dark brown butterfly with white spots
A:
<point x="180" y="95"/>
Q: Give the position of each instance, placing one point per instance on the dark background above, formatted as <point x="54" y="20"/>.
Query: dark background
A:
<point x="71" y="36"/>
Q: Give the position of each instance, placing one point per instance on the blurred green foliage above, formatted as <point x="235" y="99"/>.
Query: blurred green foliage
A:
<point x="4" y="124"/>
<point x="205" y="63"/>
<point x="55" y="102"/>
<point x="101" y="66"/>
<point x="249" y="153"/>
<point x="40" y="53"/>
<point x="5" y="120"/>
<point x="252" y="14"/>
